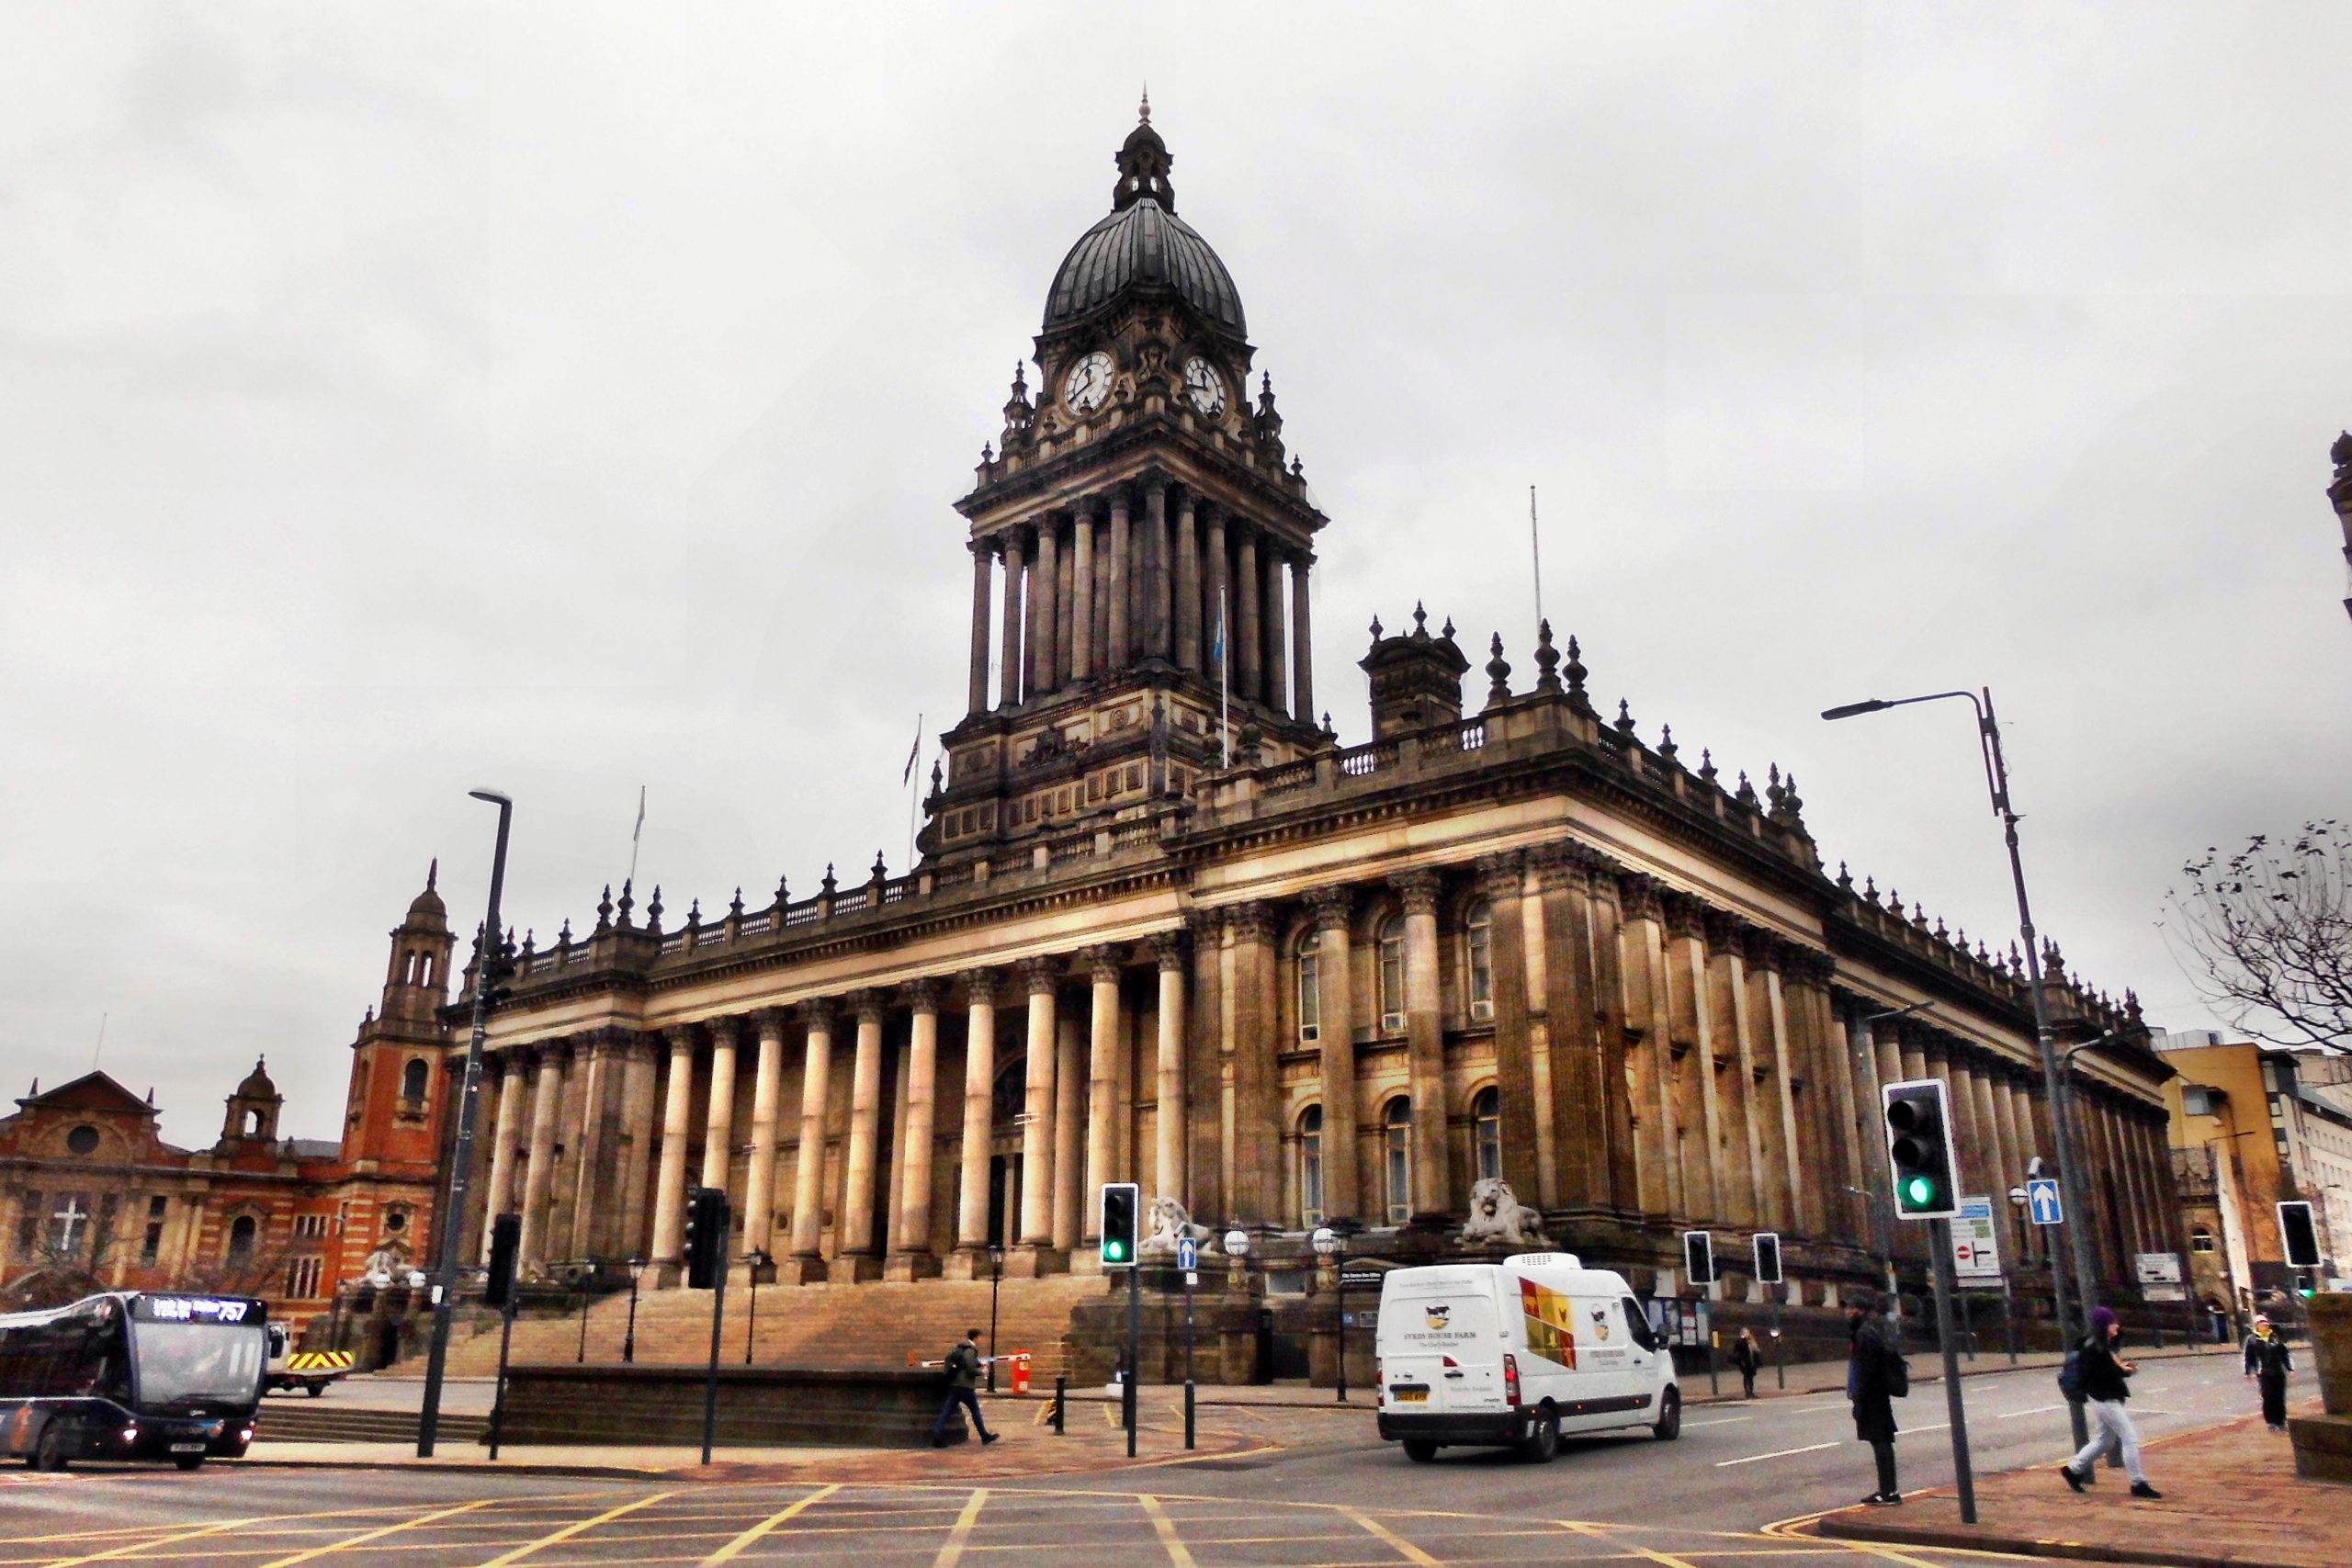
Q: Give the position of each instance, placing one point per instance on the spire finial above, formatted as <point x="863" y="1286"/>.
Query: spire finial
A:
<point x="432" y="873"/>
<point x="1143" y="112"/>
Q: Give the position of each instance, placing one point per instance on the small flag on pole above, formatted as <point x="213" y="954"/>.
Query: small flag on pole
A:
<point x="640" y="827"/>
<point x="913" y="753"/>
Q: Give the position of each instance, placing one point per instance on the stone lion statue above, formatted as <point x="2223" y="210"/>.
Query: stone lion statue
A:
<point x="1170" y="1223"/>
<point x="1497" y="1214"/>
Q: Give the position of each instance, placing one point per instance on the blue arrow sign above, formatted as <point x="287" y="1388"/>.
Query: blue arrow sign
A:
<point x="2042" y="1198"/>
<point x="1188" y="1254"/>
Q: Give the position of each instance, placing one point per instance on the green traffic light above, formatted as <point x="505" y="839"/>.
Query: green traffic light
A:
<point x="1919" y="1191"/>
<point x="1114" y="1251"/>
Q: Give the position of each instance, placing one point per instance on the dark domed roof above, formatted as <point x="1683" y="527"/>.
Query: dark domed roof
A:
<point x="1140" y="247"/>
<point x="1143" y="244"/>
<point x="257" y="1085"/>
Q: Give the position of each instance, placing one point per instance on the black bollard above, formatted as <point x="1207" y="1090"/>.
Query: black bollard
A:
<point x="1188" y="1412"/>
<point x="1061" y="1402"/>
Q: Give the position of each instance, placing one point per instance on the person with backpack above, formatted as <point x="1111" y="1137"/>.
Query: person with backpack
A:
<point x="2268" y="1363"/>
<point x="1875" y="1377"/>
<point x="2101" y="1375"/>
<point x="962" y="1389"/>
<point x="1748" y="1359"/>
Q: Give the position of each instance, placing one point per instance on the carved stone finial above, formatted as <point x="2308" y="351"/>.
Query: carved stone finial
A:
<point x="880" y="874"/>
<point x="1326" y="725"/>
<point x="2341" y="453"/>
<point x="693" y="914"/>
<point x="1665" y="746"/>
<point x="1547" y="660"/>
<point x="563" y="937"/>
<point x="604" y="909"/>
<point x="628" y="902"/>
<point x="782" y="893"/>
<point x="1706" y="764"/>
<point x="653" y="911"/>
<point x="1497" y="671"/>
<point x="1624" y="718"/>
<point x="1577" y="698"/>
<point x="1745" y="793"/>
<point x="1788" y="801"/>
<point x="1376" y="628"/>
<point x="829" y="884"/>
<point x="1420" y="621"/>
<point x="1845" y="877"/>
<point x="1870" y="889"/>
<point x="735" y="909"/>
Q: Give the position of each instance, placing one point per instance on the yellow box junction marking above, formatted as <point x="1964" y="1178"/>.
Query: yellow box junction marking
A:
<point x="962" y="1529"/>
<point x="581" y="1528"/>
<point x="783" y="1516"/>
<point x="1404" y="1548"/>
<point x="378" y="1534"/>
<point x="1179" y="1554"/>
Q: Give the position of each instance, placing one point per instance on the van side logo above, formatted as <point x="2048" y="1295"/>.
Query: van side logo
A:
<point x="1600" y="1324"/>
<point x="1437" y="1313"/>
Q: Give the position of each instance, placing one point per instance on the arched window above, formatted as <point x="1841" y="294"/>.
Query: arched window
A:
<point x="1479" y="959"/>
<point x="1487" y="1132"/>
<point x="1310" y="986"/>
<point x="252" y="1124"/>
<point x="413" y="1079"/>
<point x="425" y="969"/>
<point x="1310" y="1166"/>
<point x="1392" y="974"/>
<point x="1397" y="1150"/>
<point x="241" y="1236"/>
<point x="2201" y="1240"/>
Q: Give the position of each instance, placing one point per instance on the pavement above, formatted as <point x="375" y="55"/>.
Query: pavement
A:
<point x="2231" y="1500"/>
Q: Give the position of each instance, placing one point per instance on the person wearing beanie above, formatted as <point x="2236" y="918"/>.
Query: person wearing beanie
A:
<point x="2105" y="1389"/>
<point x="2268" y="1363"/>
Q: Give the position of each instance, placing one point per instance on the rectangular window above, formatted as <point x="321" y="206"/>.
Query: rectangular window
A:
<point x="29" y="1228"/>
<point x="152" y="1247"/>
<point x="1310" y="1000"/>
<point x="157" y="1207"/>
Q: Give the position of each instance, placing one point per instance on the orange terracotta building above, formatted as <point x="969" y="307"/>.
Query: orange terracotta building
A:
<point x="92" y="1198"/>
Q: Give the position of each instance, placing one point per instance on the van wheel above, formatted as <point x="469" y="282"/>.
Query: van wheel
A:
<point x="317" y="1389"/>
<point x="1420" y="1451"/>
<point x="50" y="1452"/>
<point x="1542" y="1444"/>
<point x="1669" y="1417"/>
<point x="187" y="1461"/>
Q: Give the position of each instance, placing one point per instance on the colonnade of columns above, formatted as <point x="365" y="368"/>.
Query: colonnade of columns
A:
<point x="1137" y="575"/>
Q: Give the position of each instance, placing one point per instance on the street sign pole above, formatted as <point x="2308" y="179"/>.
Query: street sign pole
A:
<point x="1135" y="1350"/>
<point x="1940" y="1247"/>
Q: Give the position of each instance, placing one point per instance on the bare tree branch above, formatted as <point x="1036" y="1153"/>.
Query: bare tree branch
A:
<point x="2269" y="930"/>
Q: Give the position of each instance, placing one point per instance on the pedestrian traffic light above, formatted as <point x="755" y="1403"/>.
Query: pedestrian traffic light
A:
<point x="1919" y="1150"/>
<point x="1768" y="1258"/>
<point x="1122" y="1203"/>
<point x="505" y="1241"/>
<point x="2298" y="1235"/>
<point x="708" y="1219"/>
<point x="1699" y="1257"/>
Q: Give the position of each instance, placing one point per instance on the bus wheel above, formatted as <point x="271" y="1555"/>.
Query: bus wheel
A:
<point x="187" y="1461"/>
<point x="50" y="1452"/>
<point x="1420" y="1451"/>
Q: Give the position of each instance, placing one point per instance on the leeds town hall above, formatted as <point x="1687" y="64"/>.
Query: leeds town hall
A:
<point x="1507" y="955"/>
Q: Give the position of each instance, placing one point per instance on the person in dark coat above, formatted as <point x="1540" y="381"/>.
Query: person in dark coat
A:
<point x="962" y="1389"/>
<point x="1748" y="1359"/>
<point x="2268" y="1363"/>
<point x="2105" y="1388"/>
<point x="1868" y="1387"/>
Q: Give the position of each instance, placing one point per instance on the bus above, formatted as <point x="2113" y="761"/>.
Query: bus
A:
<point x="132" y="1375"/>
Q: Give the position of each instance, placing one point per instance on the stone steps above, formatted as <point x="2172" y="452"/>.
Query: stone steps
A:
<point x="826" y="1325"/>
<point x="284" y="1421"/>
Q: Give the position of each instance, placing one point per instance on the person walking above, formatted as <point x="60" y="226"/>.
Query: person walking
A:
<point x="1748" y="1359"/>
<point x="963" y="1388"/>
<point x="1871" y="1379"/>
<point x="2268" y="1363"/>
<point x="2105" y="1388"/>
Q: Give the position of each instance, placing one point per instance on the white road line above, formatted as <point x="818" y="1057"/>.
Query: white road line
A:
<point x="1781" y="1454"/>
<point x="2035" y="1410"/>
<point x="1722" y="1421"/>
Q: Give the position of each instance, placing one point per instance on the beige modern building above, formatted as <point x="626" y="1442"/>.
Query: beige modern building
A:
<point x="1165" y="928"/>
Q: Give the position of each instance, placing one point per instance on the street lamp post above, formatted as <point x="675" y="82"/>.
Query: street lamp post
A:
<point x="1326" y="1246"/>
<point x="760" y="1268"/>
<point x="628" y="1340"/>
<point x="996" y="1282"/>
<point x="581" y="1275"/>
<point x="444" y="1288"/>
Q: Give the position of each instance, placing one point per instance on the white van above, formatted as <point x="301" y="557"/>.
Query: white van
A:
<point x="1516" y="1353"/>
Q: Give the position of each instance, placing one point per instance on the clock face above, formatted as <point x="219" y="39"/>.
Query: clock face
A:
<point x="1205" y="386"/>
<point x="1087" y="385"/>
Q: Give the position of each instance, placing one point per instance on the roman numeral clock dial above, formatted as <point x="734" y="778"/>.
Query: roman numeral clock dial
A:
<point x="1205" y="387"/>
<point x="1087" y="385"/>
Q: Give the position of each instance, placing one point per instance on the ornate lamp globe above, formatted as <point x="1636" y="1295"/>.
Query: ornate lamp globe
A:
<point x="1326" y="1240"/>
<point x="1236" y="1242"/>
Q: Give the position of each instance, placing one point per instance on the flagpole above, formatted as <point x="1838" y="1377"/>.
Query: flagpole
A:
<point x="1535" y="549"/>
<point x="636" y="833"/>
<point x="914" y="755"/>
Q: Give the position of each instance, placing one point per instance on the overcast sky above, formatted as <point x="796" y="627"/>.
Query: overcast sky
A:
<point x="398" y="399"/>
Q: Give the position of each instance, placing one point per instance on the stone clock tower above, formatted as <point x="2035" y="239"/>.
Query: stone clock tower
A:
<point x="1140" y="553"/>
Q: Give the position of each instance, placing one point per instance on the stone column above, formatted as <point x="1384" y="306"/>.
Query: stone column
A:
<point x="1082" y="620"/>
<point x="1789" y="1037"/>
<point x="1168" y="1068"/>
<point x="1302" y="650"/>
<point x="759" y="1184"/>
<point x="1215" y="600"/>
<point x="1739" y="1161"/>
<point x="976" y="692"/>
<point x="1277" y="663"/>
<point x="1159" y="584"/>
<point x="719" y="1114"/>
<point x="910" y="1254"/>
<point x="1649" y="1011"/>
<point x="979" y="1092"/>
<point x="1120" y="651"/>
<point x="1065" y="611"/>
<point x="1425" y="1048"/>
<point x="1248" y="642"/>
<point x="539" y="1167"/>
<point x="1579" y="1136"/>
<point x="1070" y="1129"/>
<point x="808" y="1158"/>
<point x="1960" y="1074"/>
<point x="1039" y="977"/>
<point x="1009" y="662"/>
<point x="1501" y="878"/>
<point x="1870" y="1144"/>
<point x="1256" y="1130"/>
<point x="854" y="1252"/>
<point x="1336" y="1050"/>
<point x="596" y="1155"/>
<point x="1205" y="1065"/>
<point x="1699" y="1114"/>
<point x="1103" y="1020"/>
<point x="511" y="1090"/>
<point x="639" y="1104"/>
<point x="1188" y="585"/>
<point x="1045" y="579"/>
<point x="670" y="1184"/>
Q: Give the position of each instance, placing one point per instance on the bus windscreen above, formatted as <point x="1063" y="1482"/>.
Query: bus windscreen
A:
<point x="197" y="1361"/>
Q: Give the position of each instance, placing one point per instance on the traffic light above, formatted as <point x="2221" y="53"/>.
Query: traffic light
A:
<point x="2298" y="1235"/>
<point x="505" y="1241"/>
<point x="1920" y="1148"/>
<point x="1122" y="1205"/>
<point x="1768" y="1258"/>
<point x="708" y="1219"/>
<point x="1699" y="1257"/>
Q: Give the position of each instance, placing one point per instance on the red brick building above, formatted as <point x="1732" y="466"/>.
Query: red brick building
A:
<point x="92" y="1198"/>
